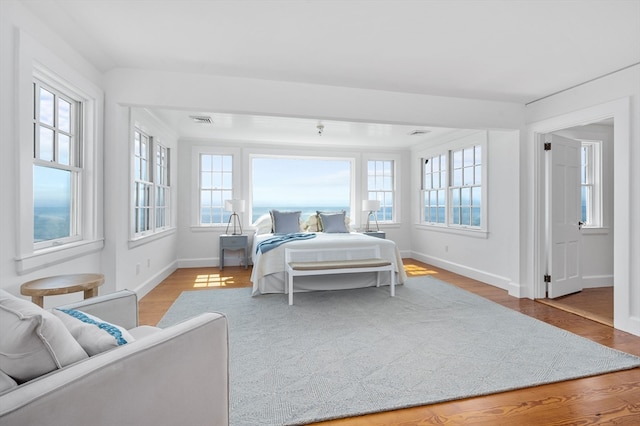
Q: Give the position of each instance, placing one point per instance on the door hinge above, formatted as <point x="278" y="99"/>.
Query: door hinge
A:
<point x="547" y="278"/>
<point x="547" y="146"/>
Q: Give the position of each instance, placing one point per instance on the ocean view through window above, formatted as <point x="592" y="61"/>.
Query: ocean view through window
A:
<point x="300" y="184"/>
<point x="57" y="167"/>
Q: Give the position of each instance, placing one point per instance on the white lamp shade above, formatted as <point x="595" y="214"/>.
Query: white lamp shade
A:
<point x="234" y="205"/>
<point x="370" y="205"/>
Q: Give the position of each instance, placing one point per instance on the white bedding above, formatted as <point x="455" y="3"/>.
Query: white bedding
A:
<point x="268" y="268"/>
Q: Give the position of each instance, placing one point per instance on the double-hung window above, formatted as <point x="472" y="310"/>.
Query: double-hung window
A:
<point x="57" y="167"/>
<point x="434" y="189"/>
<point x="381" y="187"/>
<point x="452" y="186"/>
<point x="151" y="186"/>
<point x="590" y="183"/>
<point x="215" y="186"/>
<point x="466" y="186"/>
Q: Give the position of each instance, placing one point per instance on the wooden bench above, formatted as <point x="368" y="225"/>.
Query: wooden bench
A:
<point x="305" y="262"/>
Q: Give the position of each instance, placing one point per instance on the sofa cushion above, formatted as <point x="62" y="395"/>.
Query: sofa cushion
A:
<point x="93" y="334"/>
<point x="33" y="341"/>
<point x="6" y="382"/>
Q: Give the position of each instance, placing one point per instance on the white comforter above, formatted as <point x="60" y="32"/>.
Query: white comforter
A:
<point x="268" y="268"/>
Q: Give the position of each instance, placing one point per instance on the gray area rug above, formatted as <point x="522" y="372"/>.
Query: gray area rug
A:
<point x="343" y="353"/>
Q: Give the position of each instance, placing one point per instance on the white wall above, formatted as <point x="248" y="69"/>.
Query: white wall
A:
<point x="616" y="95"/>
<point x="490" y="256"/>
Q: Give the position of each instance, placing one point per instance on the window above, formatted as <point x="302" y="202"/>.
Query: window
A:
<point x="381" y="187"/>
<point x="307" y="184"/>
<point x="163" y="193"/>
<point x="452" y="185"/>
<point x="434" y="185"/>
<point x="466" y="186"/>
<point x="151" y="189"/>
<point x="590" y="179"/>
<point x="59" y="138"/>
<point x="216" y="186"/>
<point x="57" y="167"/>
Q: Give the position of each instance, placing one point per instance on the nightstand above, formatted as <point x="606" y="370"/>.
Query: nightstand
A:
<point x="378" y="234"/>
<point x="234" y="242"/>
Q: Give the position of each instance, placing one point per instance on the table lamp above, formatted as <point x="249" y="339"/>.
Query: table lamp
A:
<point x="234" y="206"/>
<point x="371" y="206"/>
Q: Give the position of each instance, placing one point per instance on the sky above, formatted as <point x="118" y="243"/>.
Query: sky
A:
<point x="294" y="182"/>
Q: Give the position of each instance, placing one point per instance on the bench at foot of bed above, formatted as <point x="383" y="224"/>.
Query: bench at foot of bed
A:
<point x="295" y="267"/>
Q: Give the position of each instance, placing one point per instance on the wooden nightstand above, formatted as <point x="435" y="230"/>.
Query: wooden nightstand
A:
<point x="234" y="242"/>
<point x="378" y="234"/>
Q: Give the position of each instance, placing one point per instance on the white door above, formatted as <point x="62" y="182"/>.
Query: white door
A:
<point x="563" y="217"/>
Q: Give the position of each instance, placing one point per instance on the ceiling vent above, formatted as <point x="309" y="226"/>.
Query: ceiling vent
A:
<point x="419" y="132"/>
<point x="201" y="119"/>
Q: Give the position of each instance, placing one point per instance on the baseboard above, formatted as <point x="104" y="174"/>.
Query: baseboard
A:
<point x="152" y="282"/>
<point x="504" y="283"/>
<point x="211" y="262"/>
<point x="595" y="281"/>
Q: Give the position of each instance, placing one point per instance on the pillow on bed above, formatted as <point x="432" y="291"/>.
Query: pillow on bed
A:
<point x="285" y="222"/>
<point x="312" y="224"/>
<point x="333" y="222"/>
<point x="263" y="224"/>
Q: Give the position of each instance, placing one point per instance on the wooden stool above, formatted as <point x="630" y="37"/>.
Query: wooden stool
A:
<point x="62" y="284"/>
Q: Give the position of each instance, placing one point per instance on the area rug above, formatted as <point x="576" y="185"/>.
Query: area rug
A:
<point x="343" y="353"/>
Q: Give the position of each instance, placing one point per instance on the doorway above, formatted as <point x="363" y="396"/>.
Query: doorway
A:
<point x="590" y="291"/>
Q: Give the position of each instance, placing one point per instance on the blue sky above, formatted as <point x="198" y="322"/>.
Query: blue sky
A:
<point x="293" y="182"/>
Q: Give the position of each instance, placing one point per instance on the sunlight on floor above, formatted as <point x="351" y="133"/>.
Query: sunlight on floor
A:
<point x="417" y="270"/>
<point x="212" y="280"/>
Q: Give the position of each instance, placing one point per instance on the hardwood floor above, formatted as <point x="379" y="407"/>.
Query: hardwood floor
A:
<point x="593" y="303"/>
<point x="606" y="399"/>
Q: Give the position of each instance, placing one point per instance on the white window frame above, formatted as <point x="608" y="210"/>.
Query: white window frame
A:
<point x="196" y="152"/>
<point x="447" y="148"/>
<point x="379" y="191"/>
<point x="73" y="166"/>
<point x="593" y="172"/>
<point x="397" y="188"/>
<point x="152" y="180"/>
<point x="434" y="187"/>
<point x="36" y="62"/>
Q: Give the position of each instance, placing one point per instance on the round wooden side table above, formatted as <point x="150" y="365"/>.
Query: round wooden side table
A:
<point x="62" y="284"/>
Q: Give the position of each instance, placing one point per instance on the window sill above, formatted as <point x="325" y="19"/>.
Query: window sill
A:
<point x="468" y="232"/>
<point x="55" y="255"/>
<point x="213" y="228"/>
<point x="145" y="239"/>
<point x="594" y="231"/>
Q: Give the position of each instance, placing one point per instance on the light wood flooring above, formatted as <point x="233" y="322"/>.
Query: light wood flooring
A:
<point x="593" y="303"/>
<point x="601" y="400"/>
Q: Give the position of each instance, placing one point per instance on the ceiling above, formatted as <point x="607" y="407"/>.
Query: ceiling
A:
<point x="502" y="50"/>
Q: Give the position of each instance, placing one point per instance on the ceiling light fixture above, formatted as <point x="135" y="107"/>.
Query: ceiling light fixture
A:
<point x="320" y="128"/>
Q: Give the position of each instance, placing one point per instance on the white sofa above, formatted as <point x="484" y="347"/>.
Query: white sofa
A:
<point x="173" y="376"/>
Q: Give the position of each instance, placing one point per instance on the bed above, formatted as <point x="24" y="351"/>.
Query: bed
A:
<point x="268" y="275"/>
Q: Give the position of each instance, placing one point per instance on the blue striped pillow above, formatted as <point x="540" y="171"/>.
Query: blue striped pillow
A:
<point x="92" y="333"/>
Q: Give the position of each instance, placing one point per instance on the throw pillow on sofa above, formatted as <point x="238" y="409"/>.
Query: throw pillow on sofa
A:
<point x="93" y="334"/>
<point x="33" y="341"/>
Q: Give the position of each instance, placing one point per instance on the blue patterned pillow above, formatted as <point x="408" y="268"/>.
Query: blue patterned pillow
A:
<point x="93" y="334"/>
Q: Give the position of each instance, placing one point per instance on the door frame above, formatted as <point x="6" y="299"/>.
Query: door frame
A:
<point x="619" y="110"/>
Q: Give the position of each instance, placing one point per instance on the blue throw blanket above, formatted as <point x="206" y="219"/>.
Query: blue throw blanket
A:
<point x="273" y="242"/>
